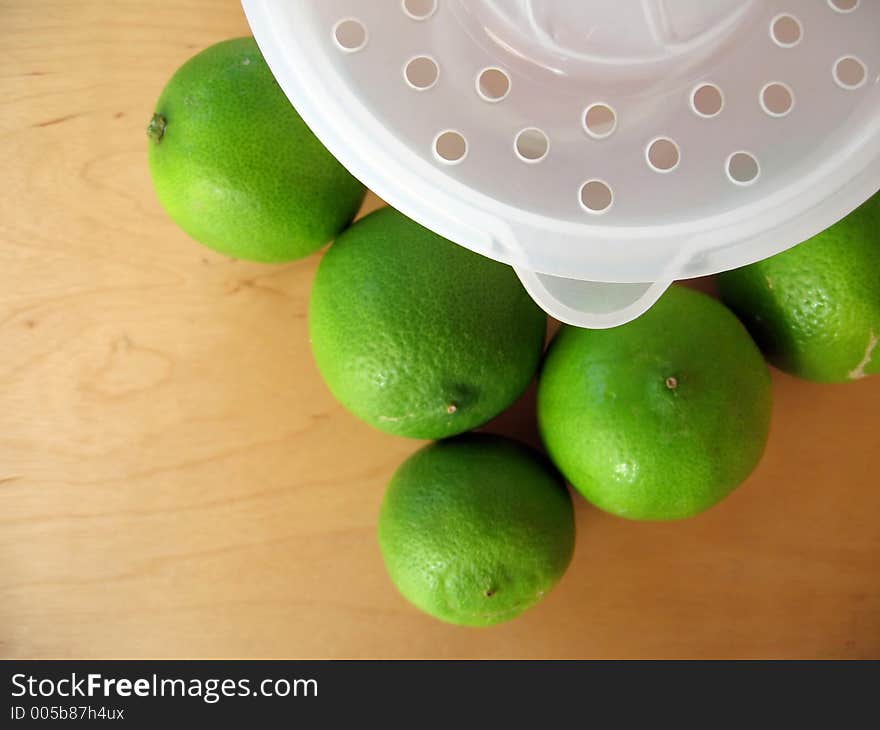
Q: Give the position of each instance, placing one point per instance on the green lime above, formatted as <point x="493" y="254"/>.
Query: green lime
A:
<point x="235" y="166"/>
<point x="418" y="336"/>
<point x="661" y="418"/>
<point x="476" y="529"/>
<point x="815" y="309"/>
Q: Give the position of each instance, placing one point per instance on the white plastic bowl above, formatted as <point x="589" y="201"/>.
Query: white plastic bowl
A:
<point x="603" y="148"/>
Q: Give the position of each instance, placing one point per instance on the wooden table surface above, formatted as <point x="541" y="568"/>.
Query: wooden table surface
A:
<point x="176" y="481"/>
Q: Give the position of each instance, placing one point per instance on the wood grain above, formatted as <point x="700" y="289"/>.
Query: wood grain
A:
<point x="176" y="481"/>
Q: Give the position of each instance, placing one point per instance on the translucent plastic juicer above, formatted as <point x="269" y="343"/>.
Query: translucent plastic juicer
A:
<point x="603" y="148"/>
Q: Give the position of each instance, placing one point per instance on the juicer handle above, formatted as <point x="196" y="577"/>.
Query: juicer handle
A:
<point x="590" y="304"/>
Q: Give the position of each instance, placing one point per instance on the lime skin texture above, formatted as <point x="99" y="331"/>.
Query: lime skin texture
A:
<point x="236" y="167"/>
<point x="661" y="418"/>
<point x="815" y="309"/>
<point x="418" y="336"/>
<point x="476" y="529"/>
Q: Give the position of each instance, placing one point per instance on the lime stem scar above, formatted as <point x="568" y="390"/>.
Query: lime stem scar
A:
<point x="156" y="127"/>
<point x="672" y="382"/>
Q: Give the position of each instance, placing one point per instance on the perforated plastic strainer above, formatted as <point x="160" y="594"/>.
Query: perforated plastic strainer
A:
<point x="603" y="148"/>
